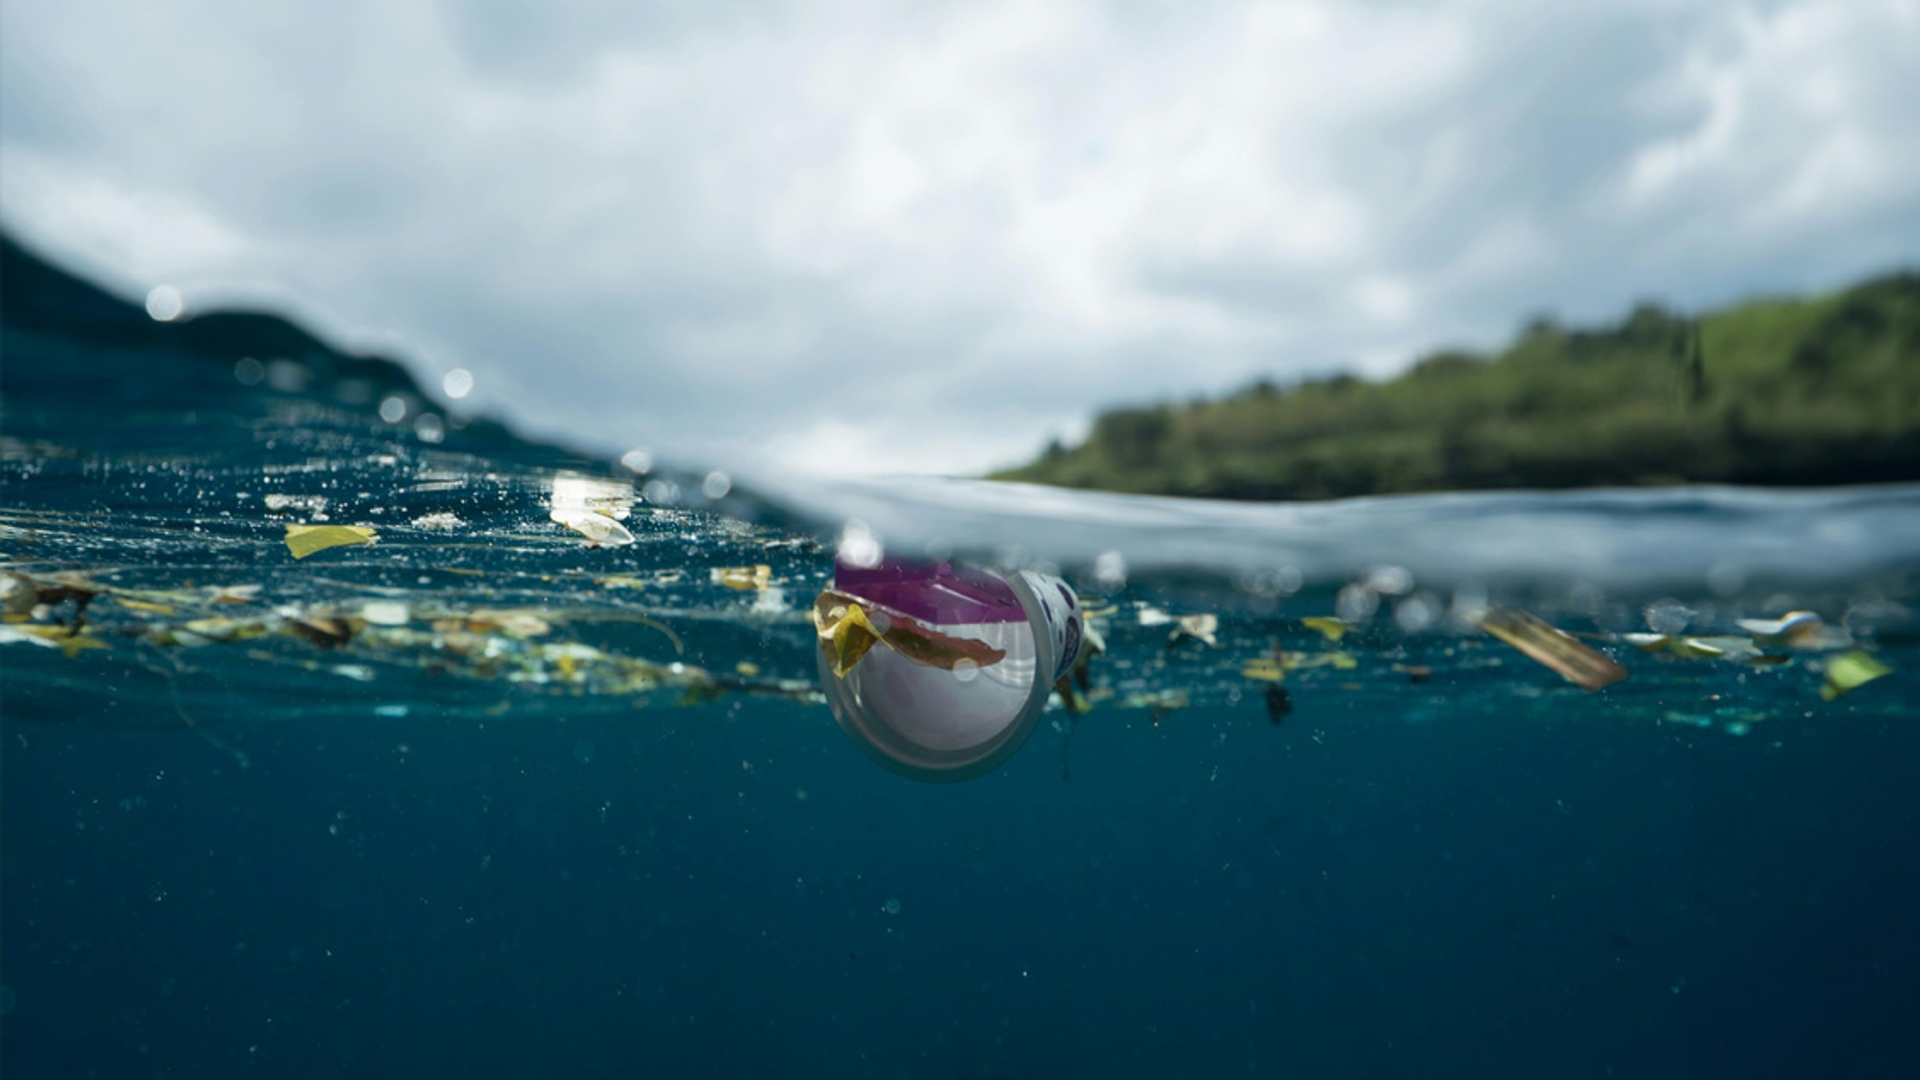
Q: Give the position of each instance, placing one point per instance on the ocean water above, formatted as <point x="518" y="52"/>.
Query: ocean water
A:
<point x="485" y="798"/>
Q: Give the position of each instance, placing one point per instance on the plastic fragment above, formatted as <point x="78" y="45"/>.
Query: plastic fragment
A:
<point x="1159" y="704"/>
<point x="1264" y="669"/>
<point x="744" y="578"/>
<point x="326" y="631"/>
<point x="304" y="540"/>
<point x="23" y="635"/>
<point x="1197" y="627"/>
<point x="1695" y="648"/>
<point x="147" y="606"/>
<point x="1577" y="663"/>
<point x="18" y="594"/>
<point x="1850" y="671"/>
<point x="593" y="525"/>
<point x="514" y="622"/>
<point x="66" y="640"/>
<point x="1331" y="629"/>
<point x="1794" y="630"/>
<point x="844" y="626"/>
<point x="385" y="612"/>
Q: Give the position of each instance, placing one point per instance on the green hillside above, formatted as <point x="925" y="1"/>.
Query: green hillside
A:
<point x="1778" y="392"/>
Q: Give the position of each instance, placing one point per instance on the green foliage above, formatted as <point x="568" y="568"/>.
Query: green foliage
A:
<point x="1797" y="391"/>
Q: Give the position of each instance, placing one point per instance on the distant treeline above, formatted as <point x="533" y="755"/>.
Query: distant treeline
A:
<point x="1778" y="392"/>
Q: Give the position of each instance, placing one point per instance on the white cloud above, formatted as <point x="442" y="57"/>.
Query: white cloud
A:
<point x="1804" y="114"/>
<point x="874" y="236"/>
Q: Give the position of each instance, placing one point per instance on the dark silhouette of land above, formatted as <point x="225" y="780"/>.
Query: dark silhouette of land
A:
<point x="1813" y="391"/>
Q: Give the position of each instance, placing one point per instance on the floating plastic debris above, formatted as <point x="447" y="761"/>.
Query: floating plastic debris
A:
<point x="1265" y="669"/>
<point x="1575" y="662"/>
<point x="1196" y="628"/>
<point x="1695" y="648"/>
<point x="592" y="507"/>
<point x="1799" y="630"/>
<point x="595" y="526"/>
<point x="968" y="660"/>
<point x="386" y="612"/>
<point x="305" y="540"/>
<point x="1331" y="629"/>
<point x="1849" y="671"/>
<point x="744" y="578"/>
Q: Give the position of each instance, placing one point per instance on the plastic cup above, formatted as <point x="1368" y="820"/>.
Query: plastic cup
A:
<point x="963" y="667"/>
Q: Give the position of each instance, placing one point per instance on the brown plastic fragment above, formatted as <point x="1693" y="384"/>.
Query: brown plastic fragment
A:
<point x="1577" y="663"/>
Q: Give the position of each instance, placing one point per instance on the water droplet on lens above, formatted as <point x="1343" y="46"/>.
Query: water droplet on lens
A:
<point x="1356" y="603"/>
<point x="892" y="905"/>
<point x="965" y="670"/>
<point x="1668" y="616"/>
<point x="164" y="303"/>
<point x="859" y="547"/>
<point x="458" y="383"/>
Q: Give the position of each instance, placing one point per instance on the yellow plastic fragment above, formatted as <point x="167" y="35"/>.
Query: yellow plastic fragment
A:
<point x="514" y="622"/>
<point x="846" y="631"/>
<point x="1849" y="671"/>
<point x="12" y="633"/>
<point x="1331" y="629"/>
<point x="220" y="629"/>
<point x="64" y="639"/>
<point x="1575" y="662"/>
<point x="304" y="540"/>
<point x="744" y="578"/>
<point x="143" y="605"/>
<point x="1264" y="669"/>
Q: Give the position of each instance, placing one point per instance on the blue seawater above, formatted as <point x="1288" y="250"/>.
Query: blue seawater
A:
<point x="486" y="799"/>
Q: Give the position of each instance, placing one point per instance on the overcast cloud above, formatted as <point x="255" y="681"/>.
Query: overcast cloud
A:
<point x="861" y="237"/>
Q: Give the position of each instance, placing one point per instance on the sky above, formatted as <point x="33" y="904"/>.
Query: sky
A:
<point x="863" y="237"/>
